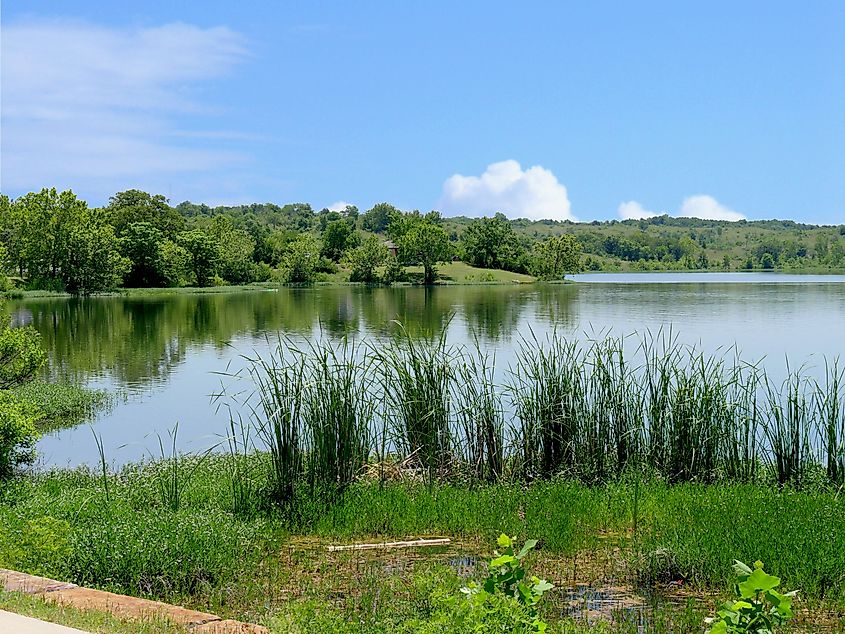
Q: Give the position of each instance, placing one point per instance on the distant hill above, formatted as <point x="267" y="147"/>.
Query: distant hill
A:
<point x="659" y="243"/>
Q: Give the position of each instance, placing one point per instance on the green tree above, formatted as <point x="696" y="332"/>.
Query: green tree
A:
<point x="93" y="261"/>
<point x="338" y="236"/>
<point x="202" y="255"/>
<point x="557" y="256"/>
<point x="44" y="221"/>
<point x="364" y="260"/>
<point x="133" y="205"/>
<point x="300" y="261"/>
<point x="174" y="263"/>
<point x="235" y="251"/>
<point x="426" y="243"/>
<point x="141" y="244"/>
<point x="491" y="243"/>
<point x="378" y="218"/>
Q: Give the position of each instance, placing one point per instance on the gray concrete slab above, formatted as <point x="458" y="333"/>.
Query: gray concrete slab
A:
<point x="16" y="624"/>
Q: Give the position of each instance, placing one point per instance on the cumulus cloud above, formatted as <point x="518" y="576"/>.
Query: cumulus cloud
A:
<point x="505" y="187"/>
<point x="85" y="104"/>
<point x="708" y="208"/>
<point x="699" y="206"/>
<point x="632" y="210"/>
<point x="340" y="205"/>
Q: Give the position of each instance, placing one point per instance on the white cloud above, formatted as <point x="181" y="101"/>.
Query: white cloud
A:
<point x="699" y="206"/>
<point x="708" y="208"/>
<point x="340" y="205"/>
<point x="89" y="106"/>
<point x="632" y="210"/>
<point x="505" y="187"/>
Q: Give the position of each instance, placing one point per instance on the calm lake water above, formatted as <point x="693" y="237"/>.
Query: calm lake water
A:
<point x="164" y="354"/>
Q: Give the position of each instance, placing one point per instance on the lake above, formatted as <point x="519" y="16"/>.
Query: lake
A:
<point x="164" y="354"/>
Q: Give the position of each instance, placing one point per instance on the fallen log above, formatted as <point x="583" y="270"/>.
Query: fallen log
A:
<point x="414" y="543"/>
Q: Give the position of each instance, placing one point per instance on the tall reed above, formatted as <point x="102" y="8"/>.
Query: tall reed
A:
<point x="548" y="393"/>
<point x="786" y="425"/>
<point x="279" y="382"/>
<point x="338" y="405"/>
<point x="591" y="408"/>
<point x="829" y="401"/>
<point x="417" y="375"/>
<point x="480" y="416"/>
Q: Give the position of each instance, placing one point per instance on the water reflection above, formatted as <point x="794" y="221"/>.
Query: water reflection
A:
<point x="165" y="350"/>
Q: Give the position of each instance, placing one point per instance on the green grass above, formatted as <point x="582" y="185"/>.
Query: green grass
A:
<point x="463" y="273"/>
<point x="87" y="620"/>
<point x="61" y="405"/>
<point x="265" y="565"/>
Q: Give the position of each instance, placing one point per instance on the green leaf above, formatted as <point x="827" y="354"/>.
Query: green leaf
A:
<point x="740" y="568"/>
<point x="758" y="581"/>
<point x="526" y="548"/>
<point x="504" y="541"/>
<point x="720" y="627"/>
<point x="501" y="561"/>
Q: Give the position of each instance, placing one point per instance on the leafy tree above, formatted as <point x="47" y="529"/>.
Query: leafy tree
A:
<point x="93" y="261"/>
<point x="236" y="248"/>
<point x="301" y="260"/>
<point x="378" y="218"/>
<point x="61" y="243"/>
<point x="278" y="243"/>
<point x="338" y="236"/>
<point x="364" y="260"/>
<point x="174" y="263"/>
<point x="557" y="256"/>
<point x="44" y="220"/>
<point x="491" y="243"/>
<point x="424" y="242"/>
<point x="298" y="216"/>
<point x="202" y="255"/>
<point x="133" y="206"/>
<point x="21" y="356"/>
<point x="141" y="244"/>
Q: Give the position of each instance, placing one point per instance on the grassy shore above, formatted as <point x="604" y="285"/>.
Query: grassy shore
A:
<point x="124" y="533"/>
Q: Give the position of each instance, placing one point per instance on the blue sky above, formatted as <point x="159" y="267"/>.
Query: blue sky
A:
<point x="543" y="109"/>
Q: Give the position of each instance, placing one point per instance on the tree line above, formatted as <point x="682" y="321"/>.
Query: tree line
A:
<point x="52" y="240"/>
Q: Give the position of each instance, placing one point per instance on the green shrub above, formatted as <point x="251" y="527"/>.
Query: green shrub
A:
<point x="759" y="608"/>
<point x="17" y="433"/>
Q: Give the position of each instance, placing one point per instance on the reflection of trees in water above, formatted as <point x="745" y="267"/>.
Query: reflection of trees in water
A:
<point x="555" y="304"/>
<point x="139" y="340"/>
<point x="493" y="312"/>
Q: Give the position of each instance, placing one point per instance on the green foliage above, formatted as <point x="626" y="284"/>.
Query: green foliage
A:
<point x="492" y="243"/>
<point x="506" y="576"/>
<point x="555" y="257"/>
<point x="142" y="244"/>
<point x="60" y="243"/>
<point x="17" y="433"/>
<point x="20" y="354"/>
<point x="759" y="608"/>
<point x="300" y="261"/>
<point x="365" y="260"/>
<point x="133" y="206"/>
<point x="421" y="240"/>
<point x="60" y="405"/>
<point x="39" y="545"/>
<point x="338" y="237"/>
<point x="93" y="262"/>
<point x="203" y="255"/>
<point x="379" y="217"/>
<point x="173" y="263"/>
